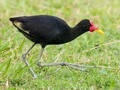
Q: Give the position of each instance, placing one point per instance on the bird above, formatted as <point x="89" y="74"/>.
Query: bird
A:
<point x="49" y="30"/>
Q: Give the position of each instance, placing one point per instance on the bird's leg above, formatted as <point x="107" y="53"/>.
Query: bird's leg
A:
<point x="41" y="52"/>
<point x="57" y="63"/>
<point x="26" y="62"/>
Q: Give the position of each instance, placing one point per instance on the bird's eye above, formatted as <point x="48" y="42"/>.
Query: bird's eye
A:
<point x="88" y="25"/>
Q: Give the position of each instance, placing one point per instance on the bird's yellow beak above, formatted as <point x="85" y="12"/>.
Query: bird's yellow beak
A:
<point x="100" y="31"/>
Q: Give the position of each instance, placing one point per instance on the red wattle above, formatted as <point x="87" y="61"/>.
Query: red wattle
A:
<point x="92" y="27"/>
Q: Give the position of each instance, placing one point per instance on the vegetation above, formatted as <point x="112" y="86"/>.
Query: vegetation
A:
<point x="14" y="75"/>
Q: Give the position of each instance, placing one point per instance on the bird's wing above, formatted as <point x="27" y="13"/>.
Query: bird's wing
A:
<point x="42" y="27"/>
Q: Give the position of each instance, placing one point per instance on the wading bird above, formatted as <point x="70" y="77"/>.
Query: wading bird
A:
<point x="50" y="30"/>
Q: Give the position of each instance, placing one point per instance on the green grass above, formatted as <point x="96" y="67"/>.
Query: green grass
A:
<point x="14" y="75"/>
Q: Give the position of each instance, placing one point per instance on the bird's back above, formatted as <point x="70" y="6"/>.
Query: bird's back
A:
<point x="43" y="28"/>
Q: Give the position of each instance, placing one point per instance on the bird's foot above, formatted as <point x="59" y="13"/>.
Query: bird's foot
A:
<point x="75" y="66"/>
<point x="33" y="73"/>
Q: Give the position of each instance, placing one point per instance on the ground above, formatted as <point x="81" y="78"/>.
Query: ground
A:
<point x="90" y="49"/>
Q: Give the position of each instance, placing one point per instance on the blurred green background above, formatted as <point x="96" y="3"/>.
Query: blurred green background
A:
<point x="104" y="13"/>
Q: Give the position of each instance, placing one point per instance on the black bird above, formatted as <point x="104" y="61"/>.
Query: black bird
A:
<point x="48" y="30"/>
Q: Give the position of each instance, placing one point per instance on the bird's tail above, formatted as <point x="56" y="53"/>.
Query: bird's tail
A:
<point x="18" y="19"/>
<point x="12" y="19"/>
<point x="17" y="22"/>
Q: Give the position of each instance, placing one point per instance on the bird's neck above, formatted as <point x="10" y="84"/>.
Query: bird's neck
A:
<point x="75" y="32"/>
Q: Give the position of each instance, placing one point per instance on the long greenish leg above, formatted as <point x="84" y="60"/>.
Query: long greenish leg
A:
<point x="27" y="63"/>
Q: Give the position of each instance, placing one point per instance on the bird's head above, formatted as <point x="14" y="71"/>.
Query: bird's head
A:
<point x="89" y="26"/>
